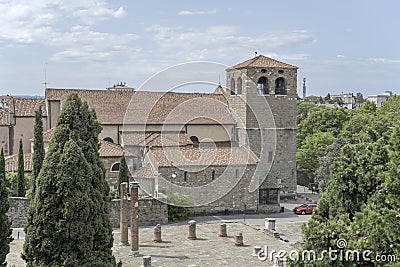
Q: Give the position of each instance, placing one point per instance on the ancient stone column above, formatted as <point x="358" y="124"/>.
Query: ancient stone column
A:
<point x="192" y="230"/>
<point x="146" y="261"/>
<point x="134" y="217"/>
<point x="157" y="234"/>
<point x="124" y="214"/>
<point x="239" y="239"/>
<point x="222" y="230"/>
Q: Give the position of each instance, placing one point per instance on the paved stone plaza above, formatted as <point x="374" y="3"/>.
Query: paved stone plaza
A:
<point x="207" y="250"/>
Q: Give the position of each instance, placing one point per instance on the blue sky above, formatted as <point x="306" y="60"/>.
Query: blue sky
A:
<point x="339" y="46"/>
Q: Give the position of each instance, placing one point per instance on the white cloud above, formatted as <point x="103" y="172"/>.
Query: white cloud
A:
<point x="198" y="12"/>
<point x="26" y="22"/>
<point x="383" y="60"/>
<point x="222" y="41"/>
<point x="84" y="44"/>
<point x="339" y="56"/>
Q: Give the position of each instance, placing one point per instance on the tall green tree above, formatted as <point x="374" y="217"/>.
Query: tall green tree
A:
<point x="71" y="188"/>
<point x="5" y="224"/>
<point x="122" y="174"/>
<point x="21" y="172"/>
<point x="38" y="148"/>
<point x="313" y="147"/>
<point x="377" y="226"/>
<point x="332" y="154"/>
<point x="321" y="119"/>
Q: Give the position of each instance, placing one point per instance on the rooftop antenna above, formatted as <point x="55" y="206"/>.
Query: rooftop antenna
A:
<point x="45" y="76"/>
<point x="255" y="53"/>
<point x="304" y="88"/>
<point x="219" y="80"/>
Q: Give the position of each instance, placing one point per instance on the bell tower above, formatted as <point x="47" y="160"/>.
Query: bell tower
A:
<point x="262" y="92"/>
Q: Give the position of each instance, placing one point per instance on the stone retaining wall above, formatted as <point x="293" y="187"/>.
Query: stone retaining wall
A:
<point x="151" y="212"/>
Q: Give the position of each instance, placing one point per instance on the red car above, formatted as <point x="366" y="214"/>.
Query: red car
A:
<point x="305" y="208"/>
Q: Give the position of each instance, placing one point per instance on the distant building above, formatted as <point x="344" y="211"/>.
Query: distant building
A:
<point x="345" y="100"/>
<point x="17" y="117"/>
<point x="379" y="99"/>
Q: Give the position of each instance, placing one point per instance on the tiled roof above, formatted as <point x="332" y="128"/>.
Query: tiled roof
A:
<point x="23" y="107"/>
<point x="205" y="155"/>
<point x="178" y="108"/>
<point x="144" y="172"/>
<point x="108" y="149"/>
<point x="4" y="117"/>
<point x="156" y="139"/>
<point x="110" y="105"/>
<point x="26" y="107"/>
<point x="263" y="61"/>
<point x="221" y="90"/>
<point x="150" y="107"/>
<point x="12" y="162"/>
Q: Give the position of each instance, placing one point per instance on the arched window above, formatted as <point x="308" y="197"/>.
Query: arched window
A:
<point x="185" y="176"/>
<point x="213" y="175"/>
<point x="108" y="139"/>
<point x="115" y="167"/>
<point x="239" y="86"/>
<point x="233" y="89"/>
<point x="262" y="86"/>
<point x="280" y="87"/>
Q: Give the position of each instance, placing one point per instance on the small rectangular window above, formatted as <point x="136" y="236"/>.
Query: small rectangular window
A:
<point x="185" y="176"/>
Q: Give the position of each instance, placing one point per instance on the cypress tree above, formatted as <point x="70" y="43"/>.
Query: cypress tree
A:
<point x="70" y="224"/>
<point x="38" y="148"/>
<point x="5" y="224"/>
<point x="122" y="174"/>
<point x="21" y="172"/>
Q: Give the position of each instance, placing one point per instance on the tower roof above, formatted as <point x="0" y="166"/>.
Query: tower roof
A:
<point x="262" y="61"/>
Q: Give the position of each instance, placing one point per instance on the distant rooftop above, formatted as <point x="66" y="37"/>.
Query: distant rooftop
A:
<point x="263" y="61"/>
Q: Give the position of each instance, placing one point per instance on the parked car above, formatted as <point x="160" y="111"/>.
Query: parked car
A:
<point x="306" y="208"/>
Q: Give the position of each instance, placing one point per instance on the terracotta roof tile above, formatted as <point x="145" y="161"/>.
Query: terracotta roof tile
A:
<point x="108" y="149"/>
<point x="205" y="155"/>
<point x="178" y="108"/>
<point x="23" y="107"/>
<point x="263" y="61"/>
<point x="4" y="117"/>
<point x="110" y="105"/>
<point x="156" y="139"/>
<point x="144" y="172"/>
<point x="150" y="107"/>
<point x="26" y="107"/>
<point x="12" y="162"/>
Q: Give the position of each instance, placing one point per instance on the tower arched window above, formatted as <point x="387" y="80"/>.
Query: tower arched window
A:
<point x="239" y="86"/>
<point x="233" y="89"/>
<point x="262" y="86"/>
<point x="280" y="87"/>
